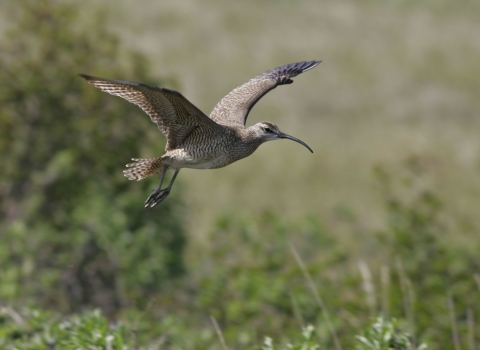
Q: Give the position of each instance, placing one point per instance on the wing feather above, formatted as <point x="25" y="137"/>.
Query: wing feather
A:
<point x="233" y="109"/>
<point x="169" y="109"/>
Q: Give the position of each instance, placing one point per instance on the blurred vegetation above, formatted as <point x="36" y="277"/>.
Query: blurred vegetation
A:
<point x="34" y="329"/>
<point x="253" y="286"/>
<point x="74" y="233"/>
<point x="75" y="236"/>
<point x="386" y="335"/>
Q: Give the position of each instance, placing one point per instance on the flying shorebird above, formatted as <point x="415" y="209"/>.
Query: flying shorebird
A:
<point x="193" y="139"/>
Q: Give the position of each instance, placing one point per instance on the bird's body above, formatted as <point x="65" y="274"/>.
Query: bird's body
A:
<point x="217" y="151"/>
<point x="194" y="140"/>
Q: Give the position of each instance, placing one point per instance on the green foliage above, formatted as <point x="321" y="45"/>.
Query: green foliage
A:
<point x="386" y="335"/>
<point x="35" y="330"/>
<point x="381" y="335"/>
<point x="258" y="281"/>
<point x="74" y="231"/>
<point x="425" y="262"/>
<point x="307" y="343"/>
<point x="257" y="288"/>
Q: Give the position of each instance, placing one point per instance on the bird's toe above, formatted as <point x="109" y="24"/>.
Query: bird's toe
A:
<point x="156" y="197"/>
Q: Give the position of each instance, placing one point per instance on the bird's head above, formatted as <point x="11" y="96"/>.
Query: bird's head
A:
<point x="267" y="131"/>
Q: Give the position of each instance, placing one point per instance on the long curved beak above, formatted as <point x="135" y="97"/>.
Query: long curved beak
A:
<point x="281" y="135"/>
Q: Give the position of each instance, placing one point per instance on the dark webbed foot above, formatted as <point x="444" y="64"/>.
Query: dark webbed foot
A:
<point x="156" y="197"/>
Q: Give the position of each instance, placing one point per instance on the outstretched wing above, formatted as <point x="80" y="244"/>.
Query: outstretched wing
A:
<point x="175" y="116"/>
<point x="233" y="109"/>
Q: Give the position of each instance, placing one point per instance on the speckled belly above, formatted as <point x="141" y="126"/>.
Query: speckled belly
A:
<point x="180" y="159"/>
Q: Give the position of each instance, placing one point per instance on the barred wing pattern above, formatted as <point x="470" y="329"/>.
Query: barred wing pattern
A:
<point x="233" y="109"/>
<point x="174" y="115"/>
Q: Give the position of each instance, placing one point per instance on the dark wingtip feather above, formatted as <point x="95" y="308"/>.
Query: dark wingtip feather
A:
<point x="85" y="76"/>
<point x="283" y="74"/>
<point x="311" y="64"/>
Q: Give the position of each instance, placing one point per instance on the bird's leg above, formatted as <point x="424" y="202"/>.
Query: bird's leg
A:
<point x="159" y="195"/>
<point x="156" y="190"/>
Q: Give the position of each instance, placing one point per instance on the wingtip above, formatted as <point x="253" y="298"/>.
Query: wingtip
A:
<point x="85" y="76"/>
<point x="311" y="64"/>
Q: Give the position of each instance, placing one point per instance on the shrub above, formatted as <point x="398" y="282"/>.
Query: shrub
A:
<point x="74" y="231"/>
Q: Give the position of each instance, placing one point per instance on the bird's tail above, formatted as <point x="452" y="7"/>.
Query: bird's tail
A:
<point x="143" y="167"/>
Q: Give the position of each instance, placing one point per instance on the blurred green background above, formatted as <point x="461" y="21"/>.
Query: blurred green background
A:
<point x="384" y="214"/>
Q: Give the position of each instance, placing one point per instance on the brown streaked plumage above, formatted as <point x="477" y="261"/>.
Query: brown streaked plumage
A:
<point x="193" y="139"/>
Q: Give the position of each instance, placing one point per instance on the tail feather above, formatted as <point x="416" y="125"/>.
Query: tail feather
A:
<point x="143" y="167"/>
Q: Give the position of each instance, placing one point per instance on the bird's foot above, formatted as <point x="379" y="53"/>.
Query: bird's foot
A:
<point x="156" y="197"/>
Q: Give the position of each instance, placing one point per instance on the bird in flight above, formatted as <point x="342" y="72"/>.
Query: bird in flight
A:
<point x="193" y="139"/>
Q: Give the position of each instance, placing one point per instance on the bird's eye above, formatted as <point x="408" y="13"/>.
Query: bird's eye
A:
<point x="267" y="130"/>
